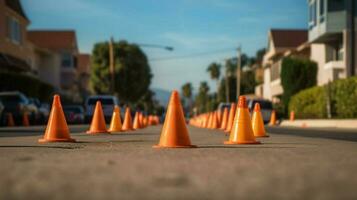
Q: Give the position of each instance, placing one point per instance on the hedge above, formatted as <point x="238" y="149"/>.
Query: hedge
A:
<point x="26" y="84"/>
<point x="312" y="103"/>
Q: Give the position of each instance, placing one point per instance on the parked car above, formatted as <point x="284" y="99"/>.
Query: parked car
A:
<point x="108" y="103"/>
<point x="222" y="106"/>
<point x="74" y="114"/>
<point x="2" y="107"/>
<point x="17" y="104"/>
<point x="266" y="107"/>
<point x="43" y="110"/>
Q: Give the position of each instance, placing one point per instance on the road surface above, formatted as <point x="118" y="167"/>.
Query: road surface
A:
<point x="291" y="164"/>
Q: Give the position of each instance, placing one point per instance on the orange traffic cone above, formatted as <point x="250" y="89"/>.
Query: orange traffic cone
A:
<point x="231" y="118"/>
<point x="242" y="131"/>
<point x="57" y="129"/>
<point x="136" y="121"/>
<point x="214" y="124"/>
<point x="273" y="118"/>
<point x="98" y="121"/>
<point x="224" y="119"/>
<point x="128" y="123"/>
<point x="115" y="124"/>
<point x="10" y="120"/>
<point x="25" y="119"/>
<point x="292" y="116"/>
<point x="257" y="122"/>
<point x="174" y="133"/>
<point x="141" y="119"/>
<point x="219" y="118"/>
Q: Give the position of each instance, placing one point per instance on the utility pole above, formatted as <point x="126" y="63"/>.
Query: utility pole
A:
<point x="111" y="65"/>
<point x="239" y="60"/>
<point x="351" y="38"/>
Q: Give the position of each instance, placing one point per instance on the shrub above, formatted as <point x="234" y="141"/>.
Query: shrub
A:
<point x="30" y="86"/>
<point x="296" y="75"/>
<point x="312" y="102"/>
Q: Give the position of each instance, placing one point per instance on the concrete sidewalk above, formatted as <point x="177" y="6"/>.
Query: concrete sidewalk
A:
<point x="321" y="123"/>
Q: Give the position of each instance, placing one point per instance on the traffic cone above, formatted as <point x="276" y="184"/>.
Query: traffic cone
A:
<point x="115" y="124"/>
<point x="98" y="121"/>
<point x="141" y="119"/>
<point x="25" y="119"/>
<point x="128" y="123"/>
<point x="214" y="124"/>
<point x="273" y="118"/>
<point x="292" y="116"/>
<point x="57" y="129"/>
<point x="10" y="120"/>
<point x="136" y="121"/>
<point x="224" y="119"/>
<point x="174" y="133"/>
<point x="219" y="118"/>
<point x="242" y="131"/>
<point x="257" y="122"/>
<point x="232" y="112"/>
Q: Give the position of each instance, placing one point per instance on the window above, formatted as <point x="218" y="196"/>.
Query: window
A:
<point x="336" y="5"/>
<point x="322" y="10"/>
<point x="14" y="30"/>
<point x="67" y="60"/>
<point x="312" y="14"/>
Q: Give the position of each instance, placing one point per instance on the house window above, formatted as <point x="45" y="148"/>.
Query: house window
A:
<point x="67" y="60"/>
<point x="336" y="5"/>
<point x="14" y="30"/>
<point x="312" y="14"/>
<point x="322" y="10"/>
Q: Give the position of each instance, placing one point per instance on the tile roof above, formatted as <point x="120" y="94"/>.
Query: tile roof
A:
<point x="53" y="39"/>
<point x="15" y="5"/>
<point x="288" y="38"/>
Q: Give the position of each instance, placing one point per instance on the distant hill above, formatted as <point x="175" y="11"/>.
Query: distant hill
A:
<point x="163" y="96"/>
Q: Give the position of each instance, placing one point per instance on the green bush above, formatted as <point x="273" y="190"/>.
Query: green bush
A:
<point x="30" y="86"/>
<point x="296" y="75"/>
<point x="312" y="103"/>
<point x="344" y="98"/>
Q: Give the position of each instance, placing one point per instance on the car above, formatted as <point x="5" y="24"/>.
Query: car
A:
<point x="74" y="114"/>
<point x="17" y="104"/>
<point x="222" y="106"/>
<point x="266" y="107"/>
<point x="43" y="109"/>
<point x="108" y="103"/>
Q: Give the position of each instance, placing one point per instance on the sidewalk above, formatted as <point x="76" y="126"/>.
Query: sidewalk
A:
<point x="321" y="123"/>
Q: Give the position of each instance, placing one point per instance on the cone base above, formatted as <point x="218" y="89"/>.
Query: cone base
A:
<point x="246" y="142"/>
<point x="127" y="130"/>
<point x="98" y="132"/>
<point x="42" y="140"/>
<point x="262" y="136"/>
<point x="115" y="131"/>
<point x="188" y="146"/>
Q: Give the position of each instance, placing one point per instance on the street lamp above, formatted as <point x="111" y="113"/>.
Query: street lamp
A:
<point x="239" y="61"/>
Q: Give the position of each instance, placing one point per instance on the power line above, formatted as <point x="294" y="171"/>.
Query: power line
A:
<point x="193" y="55"/>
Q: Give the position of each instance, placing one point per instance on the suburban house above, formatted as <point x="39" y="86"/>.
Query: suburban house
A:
<point x="281" y="43"/>
<point x="63" y="43"/>
<point x="332" y="34"/>
<point x="15" y="51"/>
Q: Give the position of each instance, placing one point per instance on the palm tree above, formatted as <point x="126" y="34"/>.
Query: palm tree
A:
<point x="215" y="72"/>
<point x="230" y="71"/>
<point x="202" y="97"/>
<point x="187" y="93"/>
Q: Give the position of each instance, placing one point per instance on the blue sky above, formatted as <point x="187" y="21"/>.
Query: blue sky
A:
<point x="190" y="26"/>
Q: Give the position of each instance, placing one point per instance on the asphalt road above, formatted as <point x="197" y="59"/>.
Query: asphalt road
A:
<point x="291" y="164"/>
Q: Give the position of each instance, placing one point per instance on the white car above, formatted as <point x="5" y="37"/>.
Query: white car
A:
<point x="108" y="103"/>
<point x="266" y="107"/>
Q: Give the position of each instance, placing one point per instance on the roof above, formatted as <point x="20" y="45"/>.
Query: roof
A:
<point x="15" y="5"/>
<point x="83" y="63"/>
<point x="53" y="39"/>
<point x="288" y="38"/>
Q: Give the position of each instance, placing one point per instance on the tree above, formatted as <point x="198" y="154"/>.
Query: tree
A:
<point x="202" y="97"/>
<point x="214" y="69"/>
<point x="132" y="71"/>
<point x="231" y="68"/>
<point x="187" y="93"/>
<point x="296" y="75"/>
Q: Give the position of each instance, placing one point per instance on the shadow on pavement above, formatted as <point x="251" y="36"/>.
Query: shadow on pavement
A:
<point x="335" y="134"/>
<point x="33" y="146"/>
<point x="239" y="146"/>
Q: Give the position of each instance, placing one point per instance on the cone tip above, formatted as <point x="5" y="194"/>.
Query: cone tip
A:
<point x="257" y="107"/>
<point x="242" y="103"/>
<point x="56" y="100"/>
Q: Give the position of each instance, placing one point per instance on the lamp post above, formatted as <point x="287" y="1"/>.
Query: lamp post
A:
<point x="239" y="61"/>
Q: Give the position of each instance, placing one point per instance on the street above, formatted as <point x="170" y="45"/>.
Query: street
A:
<point x="291" y="164"/>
